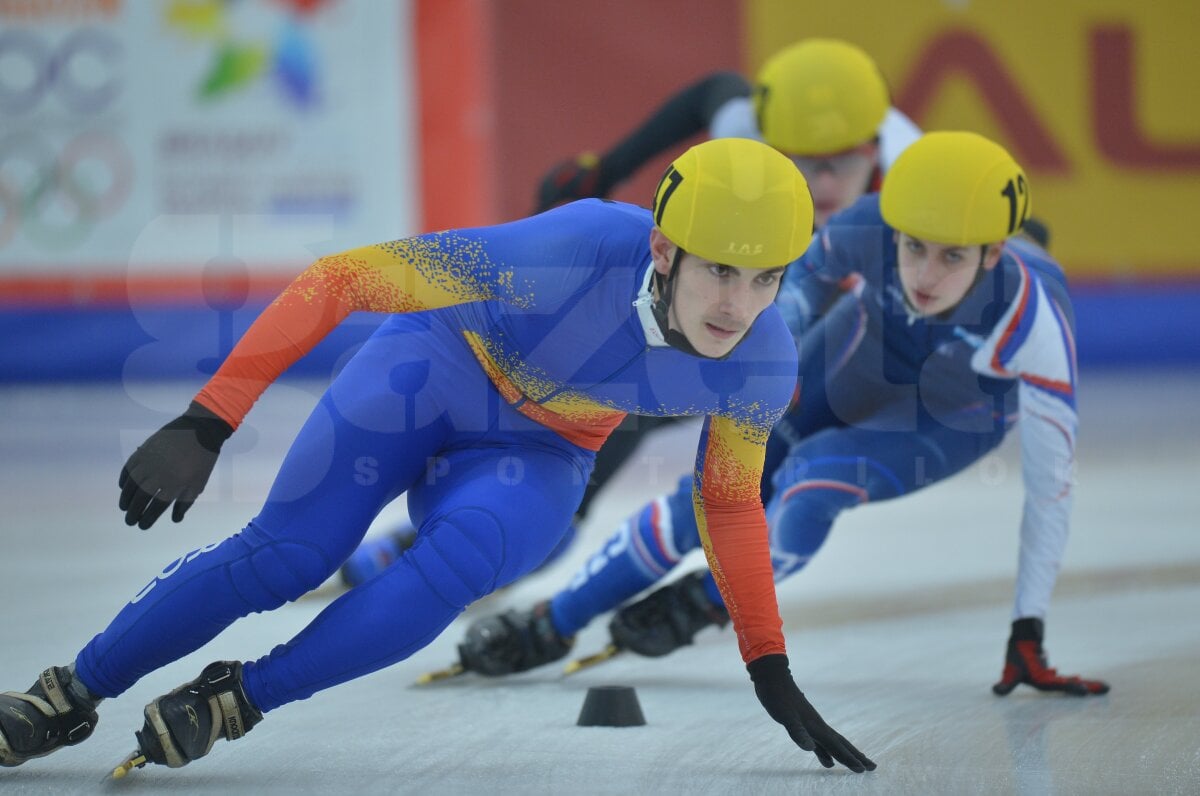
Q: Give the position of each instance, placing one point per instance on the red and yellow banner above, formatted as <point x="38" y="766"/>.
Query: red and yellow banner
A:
<point x="1096" y="98"/>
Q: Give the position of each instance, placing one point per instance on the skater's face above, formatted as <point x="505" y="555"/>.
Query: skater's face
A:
<point x="936" y="277"/>
<point x="713" y="305"/>
<point x="836" y="181"/>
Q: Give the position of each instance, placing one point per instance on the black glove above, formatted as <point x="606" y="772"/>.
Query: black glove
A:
<point x="1026" y="663"/>
<point x="578" y="178"/>
<point x="786" y="704"/>
<point x="172" y="465"/>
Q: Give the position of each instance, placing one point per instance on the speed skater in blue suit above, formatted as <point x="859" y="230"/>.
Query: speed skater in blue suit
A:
<point x="513" y="353"/>
<point x="926" y="329"/>
<point x="822" y="102"/>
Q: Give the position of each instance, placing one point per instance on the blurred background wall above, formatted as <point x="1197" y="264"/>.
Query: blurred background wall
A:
<point x="166" y="167"/>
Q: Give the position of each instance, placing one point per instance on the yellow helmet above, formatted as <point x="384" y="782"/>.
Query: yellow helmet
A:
<point x="819" y="97"/>
<point x="957" y="189"/>
<point x="737" y="202"/>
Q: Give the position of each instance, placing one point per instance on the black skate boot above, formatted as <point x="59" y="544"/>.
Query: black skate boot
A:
<point x="514" y="641"/>
<point x="667" y="619"/>
<point x="183" y="725"/>
<point x="47" y="716"/>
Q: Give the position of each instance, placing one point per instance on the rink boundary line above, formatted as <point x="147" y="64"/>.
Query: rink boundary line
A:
<point x="799" y="612"/>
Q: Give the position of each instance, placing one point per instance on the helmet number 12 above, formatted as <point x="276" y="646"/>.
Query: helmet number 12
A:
<point x="1016" y="192"/>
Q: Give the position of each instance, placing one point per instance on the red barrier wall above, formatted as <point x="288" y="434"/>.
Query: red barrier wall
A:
<point x="525" y="83"/>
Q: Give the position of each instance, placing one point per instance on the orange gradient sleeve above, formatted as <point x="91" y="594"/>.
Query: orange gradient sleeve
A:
<point x="733" y="531"/>
<point x="408" y="275"/>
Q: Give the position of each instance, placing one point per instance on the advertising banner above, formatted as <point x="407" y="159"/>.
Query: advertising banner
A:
<point x="1096" y="98"/>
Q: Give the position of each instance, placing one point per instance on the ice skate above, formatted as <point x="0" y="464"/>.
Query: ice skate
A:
<point x="47" y="716"/>
<point x="183" y="725"/>
<point x="375" y="555"/>
<point x="507" y="643"/>
<point x="666" y="619"/>
<point x="659" y="623"/>
<point x="453" y="670"/>
<point x="609" y="652"/>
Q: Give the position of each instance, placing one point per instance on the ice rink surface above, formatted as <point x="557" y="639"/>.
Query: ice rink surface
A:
<point x="896" y="630"/>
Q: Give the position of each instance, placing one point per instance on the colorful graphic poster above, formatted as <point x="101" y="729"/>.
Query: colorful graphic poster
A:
<point x="157" y="137"/>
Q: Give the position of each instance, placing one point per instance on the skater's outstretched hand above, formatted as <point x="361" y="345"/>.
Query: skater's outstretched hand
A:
<point x="171" y="466"/>
<point x="1026" y="663"/>
<point x="786" y="704"/>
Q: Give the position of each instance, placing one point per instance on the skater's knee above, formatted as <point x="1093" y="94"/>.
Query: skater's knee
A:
<point x="816" y="501"/>
<point x="801" y="516"/>
<point x="461" y="555"/>
<point x="279" y="572"/>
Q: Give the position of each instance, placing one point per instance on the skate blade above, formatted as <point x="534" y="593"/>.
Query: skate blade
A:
<point x="330" y="590"/>
<point x="454" y="670"/>
<point x="579" y="664"/>
<point x="136" y="759"/>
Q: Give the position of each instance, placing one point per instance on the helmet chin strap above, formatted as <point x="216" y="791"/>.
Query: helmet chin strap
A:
<point x="661" y="308"/>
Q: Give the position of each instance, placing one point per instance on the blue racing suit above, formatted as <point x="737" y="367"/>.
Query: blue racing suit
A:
<point x="514" y="351"/>
<point x="889" y="403"/>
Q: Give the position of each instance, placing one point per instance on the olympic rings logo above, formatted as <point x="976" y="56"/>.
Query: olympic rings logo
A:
<point x="55" y="199"/>
<point x="52" y="196"/>
<point x="80" y="70"/>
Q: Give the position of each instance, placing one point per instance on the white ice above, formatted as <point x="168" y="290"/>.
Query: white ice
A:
<point x="896" y="630"/>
